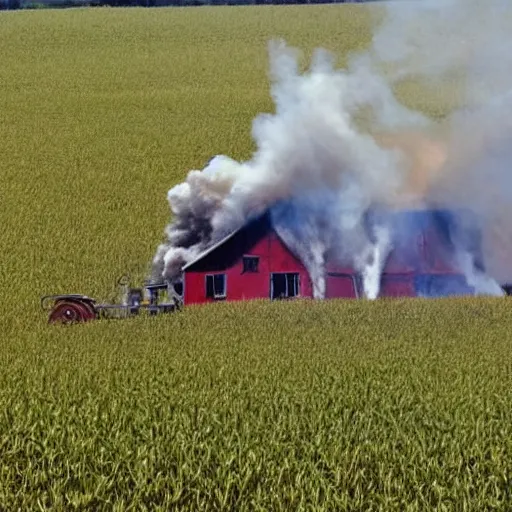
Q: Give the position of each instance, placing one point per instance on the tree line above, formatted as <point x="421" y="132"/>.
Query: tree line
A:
<point x="35" y="4"/>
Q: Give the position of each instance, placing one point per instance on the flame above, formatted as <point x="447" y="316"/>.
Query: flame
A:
<point x="423" y="157"/>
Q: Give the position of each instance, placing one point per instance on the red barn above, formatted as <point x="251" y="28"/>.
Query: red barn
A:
<point x="253" y="262"/>
<point x="250" y="263"/>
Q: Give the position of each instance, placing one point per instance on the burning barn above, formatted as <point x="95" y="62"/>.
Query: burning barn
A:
<point x="252" y="262"/>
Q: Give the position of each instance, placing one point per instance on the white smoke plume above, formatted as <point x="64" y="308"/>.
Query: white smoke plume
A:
<point x="320" y="168"/>
<point x="371" y="267"/>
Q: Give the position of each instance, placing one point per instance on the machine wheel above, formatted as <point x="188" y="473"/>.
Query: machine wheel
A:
<point x="69" y="312"/>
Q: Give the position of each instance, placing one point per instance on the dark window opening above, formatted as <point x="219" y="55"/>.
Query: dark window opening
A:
<point x="283" y="286"/>
<point x="216" y="286"/>
<point x="251" y="263"/>
<point x="178" y="288"/>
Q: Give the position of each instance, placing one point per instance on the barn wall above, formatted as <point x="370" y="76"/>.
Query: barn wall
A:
<point x="341" y="285"/>
<point x="397" y="285"/>
<point x="282" y="260"/>
<point x="239" y="285"/>
<point x="228" y="259"/>
<point x="422" y="250"/>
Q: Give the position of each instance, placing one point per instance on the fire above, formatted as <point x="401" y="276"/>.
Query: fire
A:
<point x="423" y="157"/>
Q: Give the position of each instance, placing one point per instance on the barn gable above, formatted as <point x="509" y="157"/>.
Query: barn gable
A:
<point x="226" y="252"/>
<point x="250" y="263"/>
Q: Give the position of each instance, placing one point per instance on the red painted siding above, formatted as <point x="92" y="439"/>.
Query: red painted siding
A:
<point x="341" y="286"/>
<point x="397" y="285"/>
<point x="227" y="259"/>
<point x="410" y="270"/>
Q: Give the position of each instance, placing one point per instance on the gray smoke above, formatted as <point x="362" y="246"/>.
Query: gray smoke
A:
<point x="320" y="168"/>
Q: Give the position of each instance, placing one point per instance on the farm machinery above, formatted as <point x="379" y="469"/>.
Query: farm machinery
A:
<point x="153" y="298"/>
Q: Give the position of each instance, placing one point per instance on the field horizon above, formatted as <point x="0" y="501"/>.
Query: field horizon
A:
<point x="337" y="405"/>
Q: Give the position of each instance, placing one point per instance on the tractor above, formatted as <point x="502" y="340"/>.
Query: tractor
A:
<point x="153" y="298"/>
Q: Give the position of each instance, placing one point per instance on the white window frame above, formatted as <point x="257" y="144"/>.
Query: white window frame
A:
<point x="296" y="282"/>
<point x="216" y="296"/>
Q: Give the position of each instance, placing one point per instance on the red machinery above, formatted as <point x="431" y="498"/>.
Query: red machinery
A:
<point x="154" y="298"/>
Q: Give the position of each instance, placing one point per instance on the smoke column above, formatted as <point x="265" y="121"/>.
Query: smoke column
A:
<point x="319" y="171"/>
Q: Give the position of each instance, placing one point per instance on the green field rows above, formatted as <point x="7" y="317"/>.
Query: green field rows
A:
<point x="392" y="405"/>
<point x="332" y="406"/>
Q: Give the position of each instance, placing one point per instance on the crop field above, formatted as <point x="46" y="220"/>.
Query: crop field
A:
<point x="386" y="405"/>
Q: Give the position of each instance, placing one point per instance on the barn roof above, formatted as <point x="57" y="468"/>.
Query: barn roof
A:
<point x="420" y="219"/>
<point x="212" y="248"/>
<point x="222" y="241"/>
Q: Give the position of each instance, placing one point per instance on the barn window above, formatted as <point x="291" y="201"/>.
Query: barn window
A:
<point x="284" y="285"/>
<point x="251" y="263"/>
<point x="216" y="286"/>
